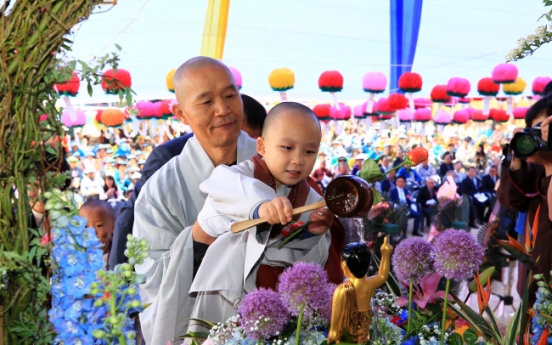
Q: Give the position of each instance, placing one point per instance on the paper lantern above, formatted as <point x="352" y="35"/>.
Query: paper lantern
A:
<point x="169" y="80"/>
<point x="99" y="115"/>
<point x="322" y="111"/>
<point x="237" y="77"/>
<point x="358" y="111"/>
<point x="281" y="79"/>
<point x="70" y="87"/>
<point x="374" y="82"/>
<point x="113" y="117"/>
<point x="75" y="120"/>
<point x="515" y="88"/>
<point x="464" y="100"/>
<point x="519" y="113"/>
<point x="487" y="87"/>
<point x="461" y="116"/>
<point x="371" y="112"/>
<point x="383" y="107"/>
<point x="330" y="81"/>
<point x="397" y="101"/>
<point x="422" y="115"/>
<point x="420" y="103"/>
<point x="166" y="109"/>
<point x="499" y="115"/>
<point x="442" y="117"/>
<point x="384" y="116"/>
<point x="478" y="116"/>
<point x="112" y="81"/>
<point x="341" y="113"/>
<point x="539" y="84"/>
<point x="458" y="87"/>
<point x="405" y="115"/>
<point x="505" y="73"/>
<point x="149" y="110"/>
<point x="410" y="82"/>
<point x="439" y="94"/>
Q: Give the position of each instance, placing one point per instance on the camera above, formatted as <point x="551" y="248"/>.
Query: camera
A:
<point x="529" y="142"/>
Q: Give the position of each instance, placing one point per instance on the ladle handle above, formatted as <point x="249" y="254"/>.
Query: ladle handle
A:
<point x="246" y="224"/>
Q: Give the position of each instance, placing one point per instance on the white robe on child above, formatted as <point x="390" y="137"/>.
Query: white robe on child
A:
<point x="165" y="210"/>
<point x="229" y="268"/>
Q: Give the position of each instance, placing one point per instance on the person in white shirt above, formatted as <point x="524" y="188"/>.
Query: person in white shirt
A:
<point x="92" y="184"/>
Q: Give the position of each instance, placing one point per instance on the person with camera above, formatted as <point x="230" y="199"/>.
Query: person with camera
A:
<point x="524" y="183"/>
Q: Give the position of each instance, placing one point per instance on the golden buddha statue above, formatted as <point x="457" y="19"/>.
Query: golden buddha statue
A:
<point x="351" y="311"/>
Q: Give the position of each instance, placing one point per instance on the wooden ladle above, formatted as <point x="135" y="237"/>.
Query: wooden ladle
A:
<point x="346" y="196"/>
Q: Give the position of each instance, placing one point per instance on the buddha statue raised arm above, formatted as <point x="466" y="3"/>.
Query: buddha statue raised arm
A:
<point x="351" y="311"/>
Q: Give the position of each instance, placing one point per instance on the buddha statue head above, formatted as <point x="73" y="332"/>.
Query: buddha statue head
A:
<point x="356" y="258"/>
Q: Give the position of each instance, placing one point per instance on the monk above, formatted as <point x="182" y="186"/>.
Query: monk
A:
<point x="269" y="185"/>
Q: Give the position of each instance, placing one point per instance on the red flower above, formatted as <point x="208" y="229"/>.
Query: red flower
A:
<point x="417" y="155"/>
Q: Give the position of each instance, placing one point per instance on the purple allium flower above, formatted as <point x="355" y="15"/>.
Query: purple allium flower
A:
<point x="457" y="254"/>
<point x="263" y="314"/>
<point x="413" y="258"/>
<point x="306" y="284"/>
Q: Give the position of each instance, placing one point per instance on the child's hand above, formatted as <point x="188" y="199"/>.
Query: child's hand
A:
<point x="322" y="220"/>
<point x="277" y="211"/>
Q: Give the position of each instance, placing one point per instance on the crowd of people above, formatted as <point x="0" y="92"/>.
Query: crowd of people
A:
<point x="169" y="209"/>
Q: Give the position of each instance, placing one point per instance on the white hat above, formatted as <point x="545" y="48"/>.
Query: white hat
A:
<point x="89" y="169"/>
<point x="362" y="156"/>
<point x="136" y="175"/>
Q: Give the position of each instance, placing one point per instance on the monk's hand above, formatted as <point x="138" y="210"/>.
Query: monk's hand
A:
<point x="321" y="220"/>
<point x="277" y="211"/>
<point x="386" y="248"/>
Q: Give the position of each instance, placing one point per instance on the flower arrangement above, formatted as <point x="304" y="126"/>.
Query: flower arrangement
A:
<point x="542" y="319"/>
<point x="89" y="304"/>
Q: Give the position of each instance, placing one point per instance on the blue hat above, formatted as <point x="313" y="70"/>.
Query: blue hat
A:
<point x="76" y="154"/>
<point x="122" y="163"/>
<point x="141" y="161"/>
<point x="74" y="143"/>
<point x="119" y="154"/>
<point x="89" y="153"/>
<point x="131" y="157"/>
<point x="145" y="144"/>
<point x="137" y="153"/>
<point x="109" y="160"/>
<point x="109" y="151"/>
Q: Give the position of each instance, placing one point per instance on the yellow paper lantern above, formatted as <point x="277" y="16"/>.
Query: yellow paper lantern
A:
<point x="281" y="79"/>
<point x="515" y="88"/>
<point x="169" y="80"/>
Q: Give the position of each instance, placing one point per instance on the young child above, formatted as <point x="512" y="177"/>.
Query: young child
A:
<point x="101" y="216"/>
<point x="288" y="149"/>
<point x="269" y="185"/>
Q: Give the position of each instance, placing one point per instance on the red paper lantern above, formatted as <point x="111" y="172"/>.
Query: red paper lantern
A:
<point x="461" y="116"/>
<point x="322" y="111"/>
<point x="330" y="81"/>
<point x="165" y="109"/>
<point x="397" y="101"/>
<point x="519" y="113"/>
<point x="383" y="107"/>
<point x="439" y="94"/>
<point x="477" y="116"/>
<point x="113" y="117"/>
<point x="410" y="82"/>
<point x="487" y="87"/>
<point x="499" y="115"/>
<point x="70" y="87"/>
<point x="112" y="81"/>
<point x="99" y="115"/>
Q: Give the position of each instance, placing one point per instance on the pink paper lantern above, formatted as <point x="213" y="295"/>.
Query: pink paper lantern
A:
<point x="374" y="82"/>
<point x="539" y="84"/>
<point x="461" y="116"/>
<point x="237" y="77"/>
<point x="79" y="119"/>
<point x="422" y="103"/>
<point x="464" y="100"/>
<point x="422" y="115"/>
<point x="341" y="114"/>
<point x="505" y="73"/>
<point x="405" y="115"/>
<point x="458" y="87"/>
<point x="358" y="111"/>
<point x="519" y="113"/>
<point x="442" y="117"/>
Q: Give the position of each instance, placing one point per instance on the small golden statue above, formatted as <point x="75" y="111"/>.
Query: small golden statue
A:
<point x="351" y="310"/>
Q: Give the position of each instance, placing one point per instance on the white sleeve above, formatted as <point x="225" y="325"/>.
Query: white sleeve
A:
<point x="233" y="191"/>
<point x="212" y="222"/>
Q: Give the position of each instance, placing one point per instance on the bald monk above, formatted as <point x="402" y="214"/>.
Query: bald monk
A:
<point x="269" y="185"/>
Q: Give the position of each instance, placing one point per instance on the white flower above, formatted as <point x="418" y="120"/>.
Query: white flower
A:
<point x="541" y="30"/>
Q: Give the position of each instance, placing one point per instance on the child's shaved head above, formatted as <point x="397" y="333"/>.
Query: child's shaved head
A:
<point x="288" y="108"/>
<point x="100" y="215"/>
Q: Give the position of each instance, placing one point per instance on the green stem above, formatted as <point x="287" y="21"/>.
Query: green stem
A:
<point x="445" y="313"/>
<point x="409" y="306"/>
<point x="299" y="322"/>
<point x="259" y="341"/>
<point x="294" y="234"/>
<point x="523" y="306"/>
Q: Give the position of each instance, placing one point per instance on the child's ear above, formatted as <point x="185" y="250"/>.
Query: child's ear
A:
<point x="260" y="146"/>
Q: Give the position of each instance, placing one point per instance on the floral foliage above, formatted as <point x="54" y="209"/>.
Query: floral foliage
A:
<point x="263" y="314"/>
<point x="457" y="254"/>
<point x="413" y="259"/>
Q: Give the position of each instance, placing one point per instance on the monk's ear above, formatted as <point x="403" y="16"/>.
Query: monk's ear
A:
<point x="179" y="114"/>
<point x="261" y="146"/>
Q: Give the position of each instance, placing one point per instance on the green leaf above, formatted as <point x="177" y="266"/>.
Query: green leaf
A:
<point x="51" y="150"/>
<point x="474" y="319"/>
<point x="377" y="196"/>
<point x="455" y="339"/>
<point x="483" y="278"/>
<point x="470" y="336"/>
<point x="371" y="172"/>
<point x="128" y="98"/>
<point x="118" y="46"/>
<point x="204" y="323"/>
<point x="512" y="329"/>
<point x="89" y="88"/>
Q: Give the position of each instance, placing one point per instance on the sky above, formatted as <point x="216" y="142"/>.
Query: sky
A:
<point x="457" y="39"/>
